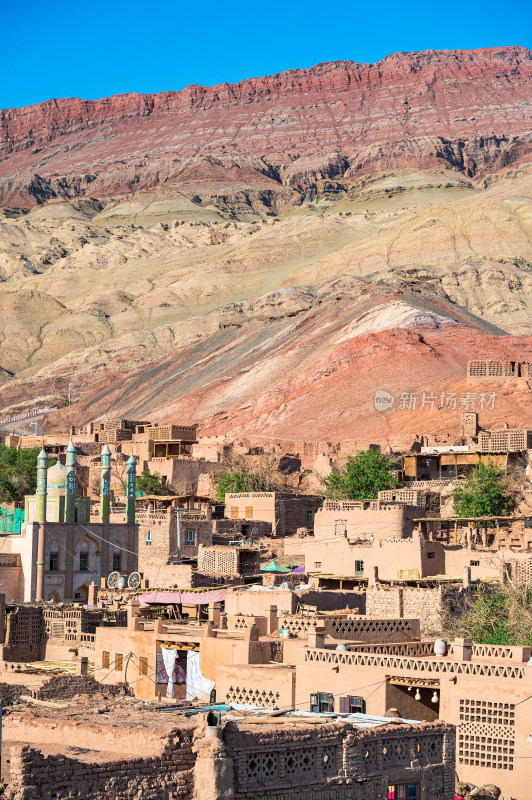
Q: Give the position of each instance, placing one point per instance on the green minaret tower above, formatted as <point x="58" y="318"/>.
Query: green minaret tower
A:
<point x="105" y="491"/>
<point x="42" y="466"/>
<point x="131" y="489"/>
<point x="71" y="485"/>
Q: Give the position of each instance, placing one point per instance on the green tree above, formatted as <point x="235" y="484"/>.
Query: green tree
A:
<point x="241" y="480"/>
<point x="496" y="615"/>
<point x="151" y="483"/>
<point x="483" y="493"/>
<point x="364" y="475"/>
<point x="18" y="472"/>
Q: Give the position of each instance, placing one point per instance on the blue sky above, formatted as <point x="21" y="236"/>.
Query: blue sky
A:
<point x="96" y="49"/>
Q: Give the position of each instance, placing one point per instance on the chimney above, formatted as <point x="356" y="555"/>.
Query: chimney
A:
<point x="82" y="666"/>
<point x="316" y="637"/>
<point x="463" y="649"/>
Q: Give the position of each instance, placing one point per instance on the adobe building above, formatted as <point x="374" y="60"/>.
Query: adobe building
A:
<point x="482" y="689"/>
<point x="285" y="512"/>
<point x="61" y="557"/>
<point x="494" y="371"/>
<point x="144" y="752"/>
<point x="352" y="538"/>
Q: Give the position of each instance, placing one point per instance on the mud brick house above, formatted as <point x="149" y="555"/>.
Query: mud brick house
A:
<point x="484" y="690"/>
<point x="285" y="512"/>
<point x="214" y="757"/>
<point x="493" y="371"/>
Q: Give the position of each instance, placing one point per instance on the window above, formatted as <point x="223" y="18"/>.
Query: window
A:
<point x="54" y="561"/>
<point x="352" y="705"/>
<point x="105" y="659"/>
<point x="403" y="791"/>
<point x="83" y="562"/>
<point x="317" y="565"/>
<point x="143" y="667"/>
<point x="474" y="563"/>
<point x="359" y="567"/>
<point x="321" y="702"/>
<point x="249" y="512"/>
<point x="234" y="512"/>
<point x="431" y="555"/>
<point x="190" y="537"/>
<point x="310" y="516"/>
<point x="148" y="537"/>
<point x="119" y="662"/>
<point x="116" y="562"/>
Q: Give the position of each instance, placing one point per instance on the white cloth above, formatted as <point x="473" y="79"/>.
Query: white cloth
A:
<point x="197" y="684"/>
<point x="169" y="657"/>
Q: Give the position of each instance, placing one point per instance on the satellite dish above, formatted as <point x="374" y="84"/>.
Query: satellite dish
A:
<point x="133" y="581"/>
<point x="112" y="580"/>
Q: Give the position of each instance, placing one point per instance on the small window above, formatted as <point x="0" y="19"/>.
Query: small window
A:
<point x="403" y="791"/>
<point x="359" y="567"/>
<point x="143" y="668"/>
<point x="310" y="516"/>
<point x="119" y="662"/>
<point x="234" y="512"/>
<point x="321" y="702"/>
<point x="54" y="561"/>
<point x="105" y="659"/>
<point x="357" y="705"/>
<point x="249" y="512"/>
<point x="431" y="555"/>
<point x="317" y="565"/>
<point x="474" y="563"/>
<point x="116" y="562"/>
<point x="83" y="562"/>
<point x="190" y="537"/>
<point x="148" y="537"/>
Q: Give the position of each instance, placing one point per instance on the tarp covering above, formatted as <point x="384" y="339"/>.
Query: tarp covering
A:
<point x="299" y="569"/>
<point x="273" y="566"/>
<point x="187" y="598"/>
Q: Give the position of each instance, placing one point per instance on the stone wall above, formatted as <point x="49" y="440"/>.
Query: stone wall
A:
<point x="61" y="687"/>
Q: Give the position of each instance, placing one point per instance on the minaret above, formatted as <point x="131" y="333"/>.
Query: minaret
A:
<point x="42" y="475"/>
<point x="71" y="487"/>
<point x="105" y="489"/>
<point x="131" y="489"/>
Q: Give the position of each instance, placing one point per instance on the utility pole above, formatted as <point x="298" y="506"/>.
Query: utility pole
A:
<point x="69" y="394"/>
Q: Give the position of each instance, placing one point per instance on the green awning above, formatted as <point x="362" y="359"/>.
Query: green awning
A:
<point x="273" y="566"/>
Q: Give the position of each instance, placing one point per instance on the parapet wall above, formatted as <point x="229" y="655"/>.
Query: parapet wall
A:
<point x="428" y="605"/>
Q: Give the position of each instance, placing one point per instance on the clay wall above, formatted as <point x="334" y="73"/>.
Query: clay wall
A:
<point x="429" y="606"/>
<point x="264" y="686"/>
<point x="285" y="512"/>
<point x="154" y="776"/>
<point x="339" y="762"/>
<point x="23" y="634"/>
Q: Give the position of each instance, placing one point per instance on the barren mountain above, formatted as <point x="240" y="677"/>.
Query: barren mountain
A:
<point x="180" y="254"/>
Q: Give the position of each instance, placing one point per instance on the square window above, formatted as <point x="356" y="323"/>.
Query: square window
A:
<point x="474" y="563"/>
<point x="148" y="537"/>
<point x="234" y="512"/>
<point x="317" y="565"/>
<point x="357" y="705"/>
<point x="431" y="555"/>
<point x="359" y="567"/>
<point x="249" y="512"/>
<point x="190" y="538"/>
